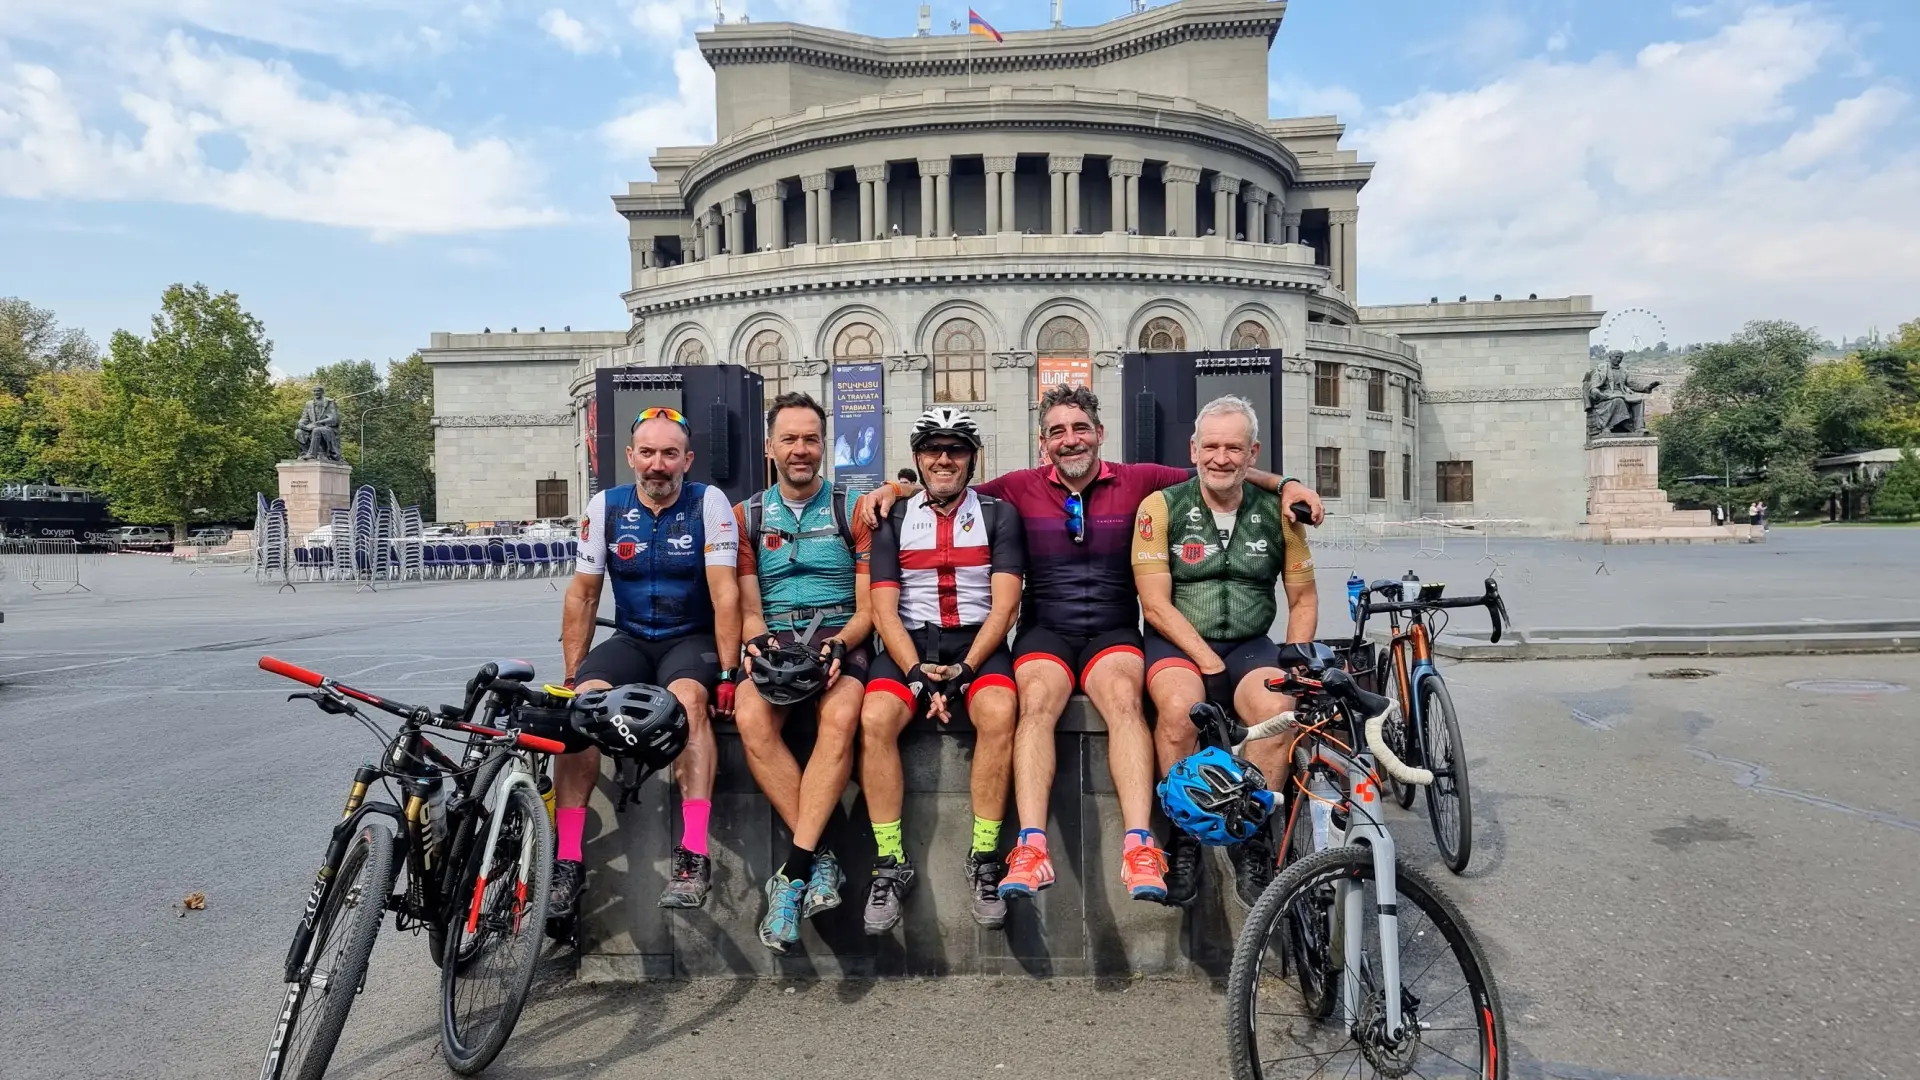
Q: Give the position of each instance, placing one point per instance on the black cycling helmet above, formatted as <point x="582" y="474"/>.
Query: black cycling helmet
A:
<point x="788" y="675"/>
<point x="641" y="722"/>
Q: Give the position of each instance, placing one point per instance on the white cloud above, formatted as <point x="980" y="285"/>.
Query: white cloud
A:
<point x="1290" y="95"/>
<point x="572" y="33"/>
<point x="356" y="33"/>
<point x="201" y="126"/>
<point x="684" y="119"/>
<point x="812" y="12"/>
<point x="1682" y="179"/>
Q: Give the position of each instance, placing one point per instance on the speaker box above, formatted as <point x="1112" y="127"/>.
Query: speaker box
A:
<point x="1166" y="391"/>
<point x="727" y="431"/>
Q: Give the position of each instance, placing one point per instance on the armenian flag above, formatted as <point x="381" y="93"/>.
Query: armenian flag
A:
<point x="980" y="26"/>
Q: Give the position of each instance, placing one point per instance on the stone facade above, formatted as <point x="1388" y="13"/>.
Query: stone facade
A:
<point x="958" y="210"/>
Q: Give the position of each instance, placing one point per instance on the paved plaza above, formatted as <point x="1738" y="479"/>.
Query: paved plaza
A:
<point x="1711" y="878"/>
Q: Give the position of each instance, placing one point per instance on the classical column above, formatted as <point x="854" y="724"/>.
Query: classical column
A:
<point x="939" y="168"/>
<point x="1290" y="220"/>
<point x="770" y="216"/>
<point x="1126" y="201"/>
<point x="926" y="198"/>
<point x="1349" y="266"/>
<point x="736" y="226"/>
<point x="1183" y="185"/>
<point x="819" y="225"/>
<point x="1065" y="170"/>
<point x="868" y="175"/>
<point x="1256" y="198"/>
<point x="699" y="250"/>
<point x="1116" y="201"/>
<point x="1276" y="233"/>
<point x="1226" y="191"/>
<point x="882" y="206"/>
<point x="1000" y="194"/>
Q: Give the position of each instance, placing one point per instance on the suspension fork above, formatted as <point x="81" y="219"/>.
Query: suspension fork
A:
<point x="323" y="878"/>
<point x="1364" y="827"/>
<point x="514" y="775"/>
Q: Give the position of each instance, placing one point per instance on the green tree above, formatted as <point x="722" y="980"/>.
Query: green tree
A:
<point x="187" y="412"/>
<point x="398" y="455"/>
<point x="32" y="342"/>
<point x="1899" y="494"/>
<point x="1742" y="411"/>
<point x="58" y="430"/>
<point x="1843" y="401"/>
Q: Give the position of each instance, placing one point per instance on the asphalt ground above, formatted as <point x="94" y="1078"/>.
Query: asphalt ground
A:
<point x="1707" y="878"/>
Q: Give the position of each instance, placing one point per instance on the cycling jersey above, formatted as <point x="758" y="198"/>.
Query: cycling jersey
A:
<point x="658" y="562"/>
<point x="1225" y="589"/>
<point x="1081" y="589"/>
<point x="943" y="563"/>
<point x="802" y="561"/>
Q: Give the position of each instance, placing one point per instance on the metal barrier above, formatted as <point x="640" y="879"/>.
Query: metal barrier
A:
<point x="43" y="563"/>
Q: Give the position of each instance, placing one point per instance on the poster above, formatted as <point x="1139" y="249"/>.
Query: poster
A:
<point x="859" y="442"/>
<point x="1072" y="370"/>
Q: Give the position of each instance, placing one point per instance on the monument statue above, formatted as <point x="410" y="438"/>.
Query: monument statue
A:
<point x="1616" y="400"/>
<point x="319" y="430"/>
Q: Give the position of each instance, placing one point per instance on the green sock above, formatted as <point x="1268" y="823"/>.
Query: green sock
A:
<point x="886" y="840"/>
<point x="986" y="835"/>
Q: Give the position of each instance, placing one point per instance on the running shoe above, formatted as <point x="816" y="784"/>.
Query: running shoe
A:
<point x="1185" y="869"/>
<point x="692" y="877"/>
<point x="563" y="898"/>
<point x="892" y="880"/>
<point x="1029" y="870"/>
<point x="1142" y="871"/>
<point x="1253" y="866"/>
<point x="781" y="927"/>
<point x="823" y="887"/>
<point x="984" y="872"/>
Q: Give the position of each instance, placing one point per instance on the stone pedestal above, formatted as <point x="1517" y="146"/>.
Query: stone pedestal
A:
<point x="312" y="489"/>
<point x="1625" y="504"/>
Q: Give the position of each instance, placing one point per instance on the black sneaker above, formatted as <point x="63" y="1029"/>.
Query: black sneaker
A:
<point x="692" y="877"/>
<point x="563" y="899"/>
<point x="984" y="873"/>
<point x="1184" y="869"/>
<point x="1253" y="866"/>
<point x="892" y="881"/>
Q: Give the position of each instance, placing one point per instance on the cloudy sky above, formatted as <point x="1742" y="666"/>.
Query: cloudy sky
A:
<point x="363" y="172"/>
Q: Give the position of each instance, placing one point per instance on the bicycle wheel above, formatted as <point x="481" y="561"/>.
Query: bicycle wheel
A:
<point x="493" y="941"/>
<point x="316" y="1006"/>
<point x="1455" y="1025"/>
<point x="1309" y="922"/>
<point x="1450" y="796"/>
<point x="460" y="845"/>
<point x="1398" y="737"/>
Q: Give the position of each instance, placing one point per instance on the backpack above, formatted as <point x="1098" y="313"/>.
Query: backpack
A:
<point x="757" y="516"/>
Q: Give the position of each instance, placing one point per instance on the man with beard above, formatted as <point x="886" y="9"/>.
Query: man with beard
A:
<point x="946" y="587"/>
<point x="1080" y="627"/>
<point x="803" y="580"/>
<point x="670" y="546"/>
<point x="1206" y="556"/>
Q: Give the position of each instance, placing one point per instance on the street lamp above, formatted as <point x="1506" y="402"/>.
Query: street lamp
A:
<point x="363" y="424"/>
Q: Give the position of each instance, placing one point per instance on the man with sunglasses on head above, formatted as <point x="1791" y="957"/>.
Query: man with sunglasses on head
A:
<point x="946" y="587"/>
<point x="670" y="546"/>
<point x="1080" y="627"/>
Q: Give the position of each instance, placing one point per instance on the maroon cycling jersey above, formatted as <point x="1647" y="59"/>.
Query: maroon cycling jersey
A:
<point x="1082" y="588"/>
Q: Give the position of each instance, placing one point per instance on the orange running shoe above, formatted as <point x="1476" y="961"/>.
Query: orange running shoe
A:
<point x="1029" y="870"/>
<point x="1143" y="871"/>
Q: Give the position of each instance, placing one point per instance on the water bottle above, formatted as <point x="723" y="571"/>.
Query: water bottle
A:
<point x="1355" y="586"/>
<point x="545" y="786"/>
<point x="1410" y="588"/>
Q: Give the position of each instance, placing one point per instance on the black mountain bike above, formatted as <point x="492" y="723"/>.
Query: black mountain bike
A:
<point x="477" y="844"/>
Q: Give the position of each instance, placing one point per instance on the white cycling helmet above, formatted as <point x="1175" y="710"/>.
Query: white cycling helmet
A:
<point x="945" y="420"/>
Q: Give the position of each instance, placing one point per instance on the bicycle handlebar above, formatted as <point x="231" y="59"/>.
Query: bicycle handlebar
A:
<point x="1491" y="600"/>
<point x="1378" y="710"/>
<point x="406" y="712"/>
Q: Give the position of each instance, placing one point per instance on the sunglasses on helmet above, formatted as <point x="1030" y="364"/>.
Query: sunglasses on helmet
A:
<point x="660" y="412"/>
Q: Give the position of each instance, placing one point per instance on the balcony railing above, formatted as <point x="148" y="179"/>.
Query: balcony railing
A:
<point x="1364" y="339"/>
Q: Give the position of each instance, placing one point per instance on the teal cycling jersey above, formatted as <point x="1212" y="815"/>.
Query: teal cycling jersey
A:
<point x="805" y="563"/>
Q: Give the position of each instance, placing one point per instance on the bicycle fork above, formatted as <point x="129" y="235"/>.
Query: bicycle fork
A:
<point x="514" y="776"/>
<point x="1365" y="829"/>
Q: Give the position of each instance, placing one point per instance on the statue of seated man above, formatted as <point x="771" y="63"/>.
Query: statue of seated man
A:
<point x="319" y="430"/>
<point x="1617" y="401"/>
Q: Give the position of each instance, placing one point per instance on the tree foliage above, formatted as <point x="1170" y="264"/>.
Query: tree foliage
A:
<point x="33" y="343"/>
<point x="1899" y="494"/>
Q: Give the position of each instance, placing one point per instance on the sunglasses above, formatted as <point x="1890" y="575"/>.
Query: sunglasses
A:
<point x="662" y="413"/>
<point x="1077" y="518"/>
<point x="955" y="451"/>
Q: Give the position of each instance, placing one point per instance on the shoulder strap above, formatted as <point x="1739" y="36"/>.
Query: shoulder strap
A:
<point x="988" y="511"/>
<point x="756" y="518"/>
<point x="840" y="519"/>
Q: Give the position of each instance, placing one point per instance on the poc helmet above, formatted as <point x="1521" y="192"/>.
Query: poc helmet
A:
<point x="788" y="675"/>
<point x="1216" y="798"/>
<point x="645" y="723"/>
<point x="947" y="420"/>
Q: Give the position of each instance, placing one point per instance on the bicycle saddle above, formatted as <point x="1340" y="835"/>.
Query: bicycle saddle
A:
<point x="513" y="671"/>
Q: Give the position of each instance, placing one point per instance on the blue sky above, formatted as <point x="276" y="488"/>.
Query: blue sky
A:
<point x="364" y="172"/>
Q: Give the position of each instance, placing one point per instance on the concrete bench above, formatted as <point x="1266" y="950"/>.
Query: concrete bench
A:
<point x="1085" y="925"/>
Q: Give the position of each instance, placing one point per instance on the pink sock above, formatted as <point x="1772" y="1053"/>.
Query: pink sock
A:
<point x="1035" y="838"/>
<point x="693" y="824"/>
<point x="569" y="823"/>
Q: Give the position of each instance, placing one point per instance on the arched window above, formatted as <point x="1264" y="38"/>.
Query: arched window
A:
<point x="691" y="351"/>
<point x="1251" y="335"/>
<point x="856" y="341"/>
<point x="767" y="357"/>
<point x="959" y="362"/>
<point x="1063" y="335"/>
<point x="1163" y="335"/>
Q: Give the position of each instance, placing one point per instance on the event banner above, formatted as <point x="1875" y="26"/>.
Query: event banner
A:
<point x="859" y="445"/>
<point x="1071" y="370"/>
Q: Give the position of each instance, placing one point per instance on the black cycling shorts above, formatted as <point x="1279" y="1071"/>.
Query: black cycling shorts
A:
<point x="938" y="646"/>
<point x="1242" y="657"/>
<point x="623" y="659"/>
<point x="1076" y="655"/>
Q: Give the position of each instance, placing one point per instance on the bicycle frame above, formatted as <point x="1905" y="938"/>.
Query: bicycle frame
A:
<point x="1411" y="654"/>
<point x="519" y="772"/>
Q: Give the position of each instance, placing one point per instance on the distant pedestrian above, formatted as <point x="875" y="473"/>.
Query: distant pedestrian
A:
<point x="909" y="476"/>
<point x="1760" y="515"/>
<point x="1719" y="515"/>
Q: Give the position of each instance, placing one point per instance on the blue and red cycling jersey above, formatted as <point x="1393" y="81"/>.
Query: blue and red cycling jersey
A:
<point x="1083" y="588"/>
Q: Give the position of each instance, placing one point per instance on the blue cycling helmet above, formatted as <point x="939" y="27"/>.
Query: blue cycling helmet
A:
<point x="1216" y="798"/>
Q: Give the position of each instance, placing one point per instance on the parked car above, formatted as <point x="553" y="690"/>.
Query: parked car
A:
<point x="144" y="536"/>
<point x="320" y="537"/>
<point x="210" y="536"/>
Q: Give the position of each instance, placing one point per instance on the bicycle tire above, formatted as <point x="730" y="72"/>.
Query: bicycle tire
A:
<point x="313" y="1024"/>
<point x="1484" y="1016"/>
<point x="470" y="1043"/>
<point x="1450" y="796"/>
<point x="454" y="859"/>
<point x="1396" y="735"/>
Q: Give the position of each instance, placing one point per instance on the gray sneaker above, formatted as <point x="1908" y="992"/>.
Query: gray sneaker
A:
<point x="892" y="880"/>
<point x="984" y="871"/>
<point x="692" y="877"/>
<point x="823" y="886"/>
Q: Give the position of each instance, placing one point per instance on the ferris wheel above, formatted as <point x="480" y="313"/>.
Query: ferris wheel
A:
<point x="1632" y="329"/>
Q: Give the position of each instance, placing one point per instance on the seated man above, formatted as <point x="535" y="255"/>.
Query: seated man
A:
<point x="947" y="568"/>
<point x="1207" y="555"/>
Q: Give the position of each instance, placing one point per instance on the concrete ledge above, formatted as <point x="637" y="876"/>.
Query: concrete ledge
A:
<point x="1752" y="639"/>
